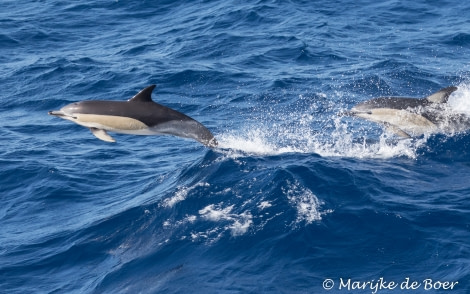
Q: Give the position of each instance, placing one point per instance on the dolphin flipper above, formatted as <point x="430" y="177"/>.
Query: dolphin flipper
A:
<point x="102" y="135"/>
<point x="397" y="131"/>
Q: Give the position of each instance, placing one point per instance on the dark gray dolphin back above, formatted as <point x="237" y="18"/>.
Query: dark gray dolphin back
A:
<point x="392" y="102"/>
<point x="440" y="96"/>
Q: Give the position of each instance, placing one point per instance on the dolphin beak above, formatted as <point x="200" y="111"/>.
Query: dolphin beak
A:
<point x="60" y="113"/>
<point x="56" y="113"/>
<point x="346" y="113"/>
<point x="353" y="112"/>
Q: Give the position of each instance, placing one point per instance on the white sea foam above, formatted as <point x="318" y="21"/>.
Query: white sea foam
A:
<point x="308" y="206"/>
<point x="264" y="204"/>
<point x="213" y="213"/>
<point x="223" y="217"/>
<point x="181" y="194"/>
<point x="240" y="223"/>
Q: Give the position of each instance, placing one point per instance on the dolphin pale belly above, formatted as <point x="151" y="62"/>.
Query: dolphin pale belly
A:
<point x="409" y="117"/>
<point x="140" y="115"/>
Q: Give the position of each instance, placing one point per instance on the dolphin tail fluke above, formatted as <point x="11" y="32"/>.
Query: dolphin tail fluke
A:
<point x="187" y="128"/>
<point x="102" y="135"/>
<point x="201" y="134"/>
<point x="212" y="143"/>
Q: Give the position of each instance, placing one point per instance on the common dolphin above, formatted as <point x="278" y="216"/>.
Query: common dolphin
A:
<point x="139" y="115"/>
<point x="409" y="117"/>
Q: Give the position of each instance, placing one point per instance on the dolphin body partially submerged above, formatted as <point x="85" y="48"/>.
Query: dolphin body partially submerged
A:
<point x="140" y="115"/>
<point x="410" y="117"/>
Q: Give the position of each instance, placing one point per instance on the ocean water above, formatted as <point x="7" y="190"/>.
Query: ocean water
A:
<point x="296" y="199"/>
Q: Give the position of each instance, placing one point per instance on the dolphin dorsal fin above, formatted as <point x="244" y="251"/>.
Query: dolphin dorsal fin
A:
<point x="144" y="95"/>
<point x="442" y="95"/>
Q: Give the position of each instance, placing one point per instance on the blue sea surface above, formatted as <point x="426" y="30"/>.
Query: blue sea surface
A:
<point x="296" y="198"/>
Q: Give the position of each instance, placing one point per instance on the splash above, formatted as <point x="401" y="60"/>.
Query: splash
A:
<point x="327" y="134"/>
<point x="459" y="101"/>
<point x="341" y="142"/>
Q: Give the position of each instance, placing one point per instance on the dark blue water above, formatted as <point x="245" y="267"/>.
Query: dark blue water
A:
<point x="297" y="199"/>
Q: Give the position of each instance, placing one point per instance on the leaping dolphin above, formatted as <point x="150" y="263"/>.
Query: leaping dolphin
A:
<point x="140" y="115"/>
<point x="409" y="117"/>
